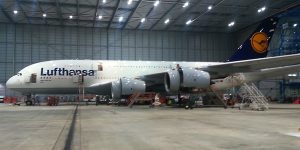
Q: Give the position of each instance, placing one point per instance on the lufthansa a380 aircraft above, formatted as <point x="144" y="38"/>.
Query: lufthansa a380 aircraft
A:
<point x="123" y="78"/>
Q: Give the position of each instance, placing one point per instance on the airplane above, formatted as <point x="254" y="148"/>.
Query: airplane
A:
<point x="123" y="78"/>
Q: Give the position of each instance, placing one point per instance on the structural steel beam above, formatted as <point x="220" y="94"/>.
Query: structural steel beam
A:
<point x="165" y="14"/>
<point x="182" y="14"/>
<point x="77" y="12"/>
<point x="149" y="12"/>
<point x="114" y="13"/>
<point x="95" y="14"/>
<point x="131" y="14"/>
<point x="6" y="14"/>
<point x="22" y="10"/>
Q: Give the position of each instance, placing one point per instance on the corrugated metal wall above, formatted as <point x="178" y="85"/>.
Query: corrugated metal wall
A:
<point x="22" y="45"/>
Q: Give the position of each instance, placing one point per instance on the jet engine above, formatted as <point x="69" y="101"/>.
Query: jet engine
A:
<point x="126" y="86"/>
<point x="186" y="78"/>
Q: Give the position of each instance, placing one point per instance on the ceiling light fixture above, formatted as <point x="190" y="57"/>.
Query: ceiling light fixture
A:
<point x="295" y="25"/>
<point x="99" y="17"/>
<point x="292" y="75"/>
<point x="70" y="17"/>
<point x="209" y="7"/>
<point x="129" y="2"/>
<point x="231" y="24"/>
<point x="167" y="21"/>
<point x="189" y="22"/>
<point x="156" y="3"/>
<point x="261" y="9"/>
<point x="15" y="11"/>
<point x="120" y="19"/>
<point x="44" y="15"/>
<point x="104" y="1"/>
<point x="143" y="20"/>
<point x="186" y="4"/>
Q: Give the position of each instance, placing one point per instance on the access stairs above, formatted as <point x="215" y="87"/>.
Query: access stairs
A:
<point x="252" y="97"/>
<point x="216" y="98"/>
<point x="135" y="97"/>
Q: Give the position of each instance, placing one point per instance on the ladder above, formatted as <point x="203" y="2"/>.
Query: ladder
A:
<point x="252" y="97"/>
<point x="219" y="96"/>
<point x="147" y="96"/>
<point x="133" y="99"/>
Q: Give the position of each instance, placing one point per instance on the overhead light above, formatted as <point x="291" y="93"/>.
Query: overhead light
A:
<point x="295" y="25"/>
<point x="156" y="3"/>
<point x="99" y="17"/>
<point x="70" y="17"/>
<point x="143" y="20"/>
<point x="15" y="11"/>
<point x="103" y="1"/>
<point x="186" y="4"/>
<point x="292" y="75"/>
<point x="188" y="22"/>
<point x="129" y="2"/>
<point x="120" y="19"/>
<point x="231" y="24"/>
<point x="261" y="9"/>
<point x="167" y="21"/>
<point x="44" y="15"/>
<point x="209" y="7"/>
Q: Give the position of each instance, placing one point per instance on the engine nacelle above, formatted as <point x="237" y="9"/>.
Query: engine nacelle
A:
<point x="186" y="78"/>
<point x="172" y="81"/>
<point x="127" y="86"/>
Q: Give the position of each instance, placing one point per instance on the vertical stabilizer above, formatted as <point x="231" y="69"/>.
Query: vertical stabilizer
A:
<point x="256" y="45"/>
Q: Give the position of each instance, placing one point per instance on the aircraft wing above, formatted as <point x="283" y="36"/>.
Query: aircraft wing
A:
<point x="224" y="69"/>
<point x="271" y="66"/>
<point x="154" y="83"/>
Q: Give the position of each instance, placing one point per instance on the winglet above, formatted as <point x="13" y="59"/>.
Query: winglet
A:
<point x="256" y="45"/>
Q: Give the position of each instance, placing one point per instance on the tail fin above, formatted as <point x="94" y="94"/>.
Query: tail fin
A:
<point x="256" y="45"/>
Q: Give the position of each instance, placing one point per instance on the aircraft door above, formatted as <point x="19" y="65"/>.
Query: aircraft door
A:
<point x="78" y="79"/>
<point x="98" y="67"/>
<point x="33" y="78"/>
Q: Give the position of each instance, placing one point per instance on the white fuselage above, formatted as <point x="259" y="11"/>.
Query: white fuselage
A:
<point x="61" y="76"/>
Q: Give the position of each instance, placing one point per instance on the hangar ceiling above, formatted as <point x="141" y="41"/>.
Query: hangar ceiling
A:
<point x="119" y="14"/>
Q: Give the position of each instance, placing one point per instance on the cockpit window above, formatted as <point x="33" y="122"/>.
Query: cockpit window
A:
<point x="19" y="74"/>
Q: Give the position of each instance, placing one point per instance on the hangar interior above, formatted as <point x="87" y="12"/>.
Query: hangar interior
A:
<point x="165" y="30"/>
<point x="32" y="31"/>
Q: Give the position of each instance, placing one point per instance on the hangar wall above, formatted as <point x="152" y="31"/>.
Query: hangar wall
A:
<point x="22" y="45"/>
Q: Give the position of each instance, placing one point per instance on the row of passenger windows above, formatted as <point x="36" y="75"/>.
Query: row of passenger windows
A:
<point x="142" y="66"/>
<point x="100" y="67"/>
<point x="72" y="77"/>
<point x="71" y="66"/>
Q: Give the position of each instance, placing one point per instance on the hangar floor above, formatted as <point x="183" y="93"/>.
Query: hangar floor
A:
<point x="111" y="128"/>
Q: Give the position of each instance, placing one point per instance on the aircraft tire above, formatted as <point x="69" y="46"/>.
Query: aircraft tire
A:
<point x="28" y="103"/>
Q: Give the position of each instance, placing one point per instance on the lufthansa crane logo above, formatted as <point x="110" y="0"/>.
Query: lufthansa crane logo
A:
<point x="259" y="42"/>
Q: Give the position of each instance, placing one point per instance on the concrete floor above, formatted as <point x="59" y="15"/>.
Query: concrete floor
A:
<point x="121" y="128"/>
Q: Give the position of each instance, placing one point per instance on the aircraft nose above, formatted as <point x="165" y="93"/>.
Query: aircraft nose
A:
<point x="11" y="82"/>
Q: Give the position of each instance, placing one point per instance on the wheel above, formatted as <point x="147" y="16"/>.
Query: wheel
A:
<point x="28" y="103"/>
<point x="186" y="107"/>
